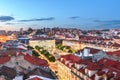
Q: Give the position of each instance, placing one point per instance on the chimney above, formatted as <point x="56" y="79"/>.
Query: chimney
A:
<point x="115" y="74"/>
<point x="86" y="52"/>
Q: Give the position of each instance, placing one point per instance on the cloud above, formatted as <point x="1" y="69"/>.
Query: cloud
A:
<point x="74" y="17"/>
<point x="41" y="19"/>
<point x="6" y="18"/>
<point x="9" y="23"/>
<point x="13" y="23"/>
<point x="108" y="22"/>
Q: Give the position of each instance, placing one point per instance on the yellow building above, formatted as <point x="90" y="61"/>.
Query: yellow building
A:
<point x="64" y="67"/>
<point x="63" y="71"/>
<point x="3" y="38"/>
<point x="48" y="44"/>
<point x="74" y="44"/>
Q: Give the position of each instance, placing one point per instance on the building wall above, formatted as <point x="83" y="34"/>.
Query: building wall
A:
<point x="64" y="72"/>
<point x="79" y="75"/>
<point x="75" y="45"/>
<point x="75" y="77"/>
<point x="106" y="49"/>
<point x="91" y="72"/>
<point x="97" y="77"/>
<point x="48" y="44"/>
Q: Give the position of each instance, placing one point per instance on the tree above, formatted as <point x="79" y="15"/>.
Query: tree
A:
<point x="29" y="47"/>
<point x="58" y="46"/>
<point x="68" y="47"/>
<point x="35" y="53"/>
<point x="30" y="30"/>
<point x="37" y="47"/>
<point x="41" y="47"/>
<point x="98" y="32"/>
<point x="44" y="51"/>
<point x="52" y="59"/>
<point x="84" y="32"/>
<point x="39" y="31"/>
<point x="70" y="51"/>
<point x="62" y="48"/>
<point x="46" y="54"/>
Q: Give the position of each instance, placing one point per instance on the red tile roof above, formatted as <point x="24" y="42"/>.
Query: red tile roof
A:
<point x="83" y="38"/>
<point x="4" y="59"/>
<point x="82" y="70"/>
<point x="83" y="61"/>
<point x="71" y="57"/>
<point x="40" y="72"/>
<point x="35" y="78"/>
<point x="100" y="73"/>
<point x="117" y="53"/>
<point x="92" y="77"/>
<point x="42" y="38"/>
<point x="8" y="72"/>
<point x="93" y="66"/>
<point x="93" y="50"/>
<point x="90" y="64"/>
<point x="115" y="45"/>
<point x="110" y="63"/>
<point x="111" y="71"/>
<point x="35" y="60"/>
<point x="110" y="74"/>
<point x="117" y="78"/>
<point x="104" y="66"/>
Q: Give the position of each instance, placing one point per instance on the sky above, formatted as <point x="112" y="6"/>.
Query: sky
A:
<point x="82" y="14"/>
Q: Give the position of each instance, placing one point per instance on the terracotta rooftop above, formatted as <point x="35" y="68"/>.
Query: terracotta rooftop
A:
<point x="91" y="38"/>
<point x="93" y="66"/>
<point x="36" y="78"/>
<point x="42" y="38"/>
<point x="82" y="70"/>
<point x="35" y="60"/>
<point x="40" y="72"/>
<point x="4" y="59"/>
<point x="8" y="52"/>
<point x="117" y="53"/>
<point x="71" y="57"/>
<point x="108" y="62"/>
<point x="99" y="73"/>
<point x="9" y="73"/>
<point x="89" y="64"/>
<point x="83" y="61"/>
<point x="92" y="50"/>
<point x="115" y="45"/>
<point x="104" y="66"/>
<point x="111" y="71"/>
<point x="72" y="40"/>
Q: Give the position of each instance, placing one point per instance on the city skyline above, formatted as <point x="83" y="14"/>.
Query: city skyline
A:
<point x="86" y="14"/>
